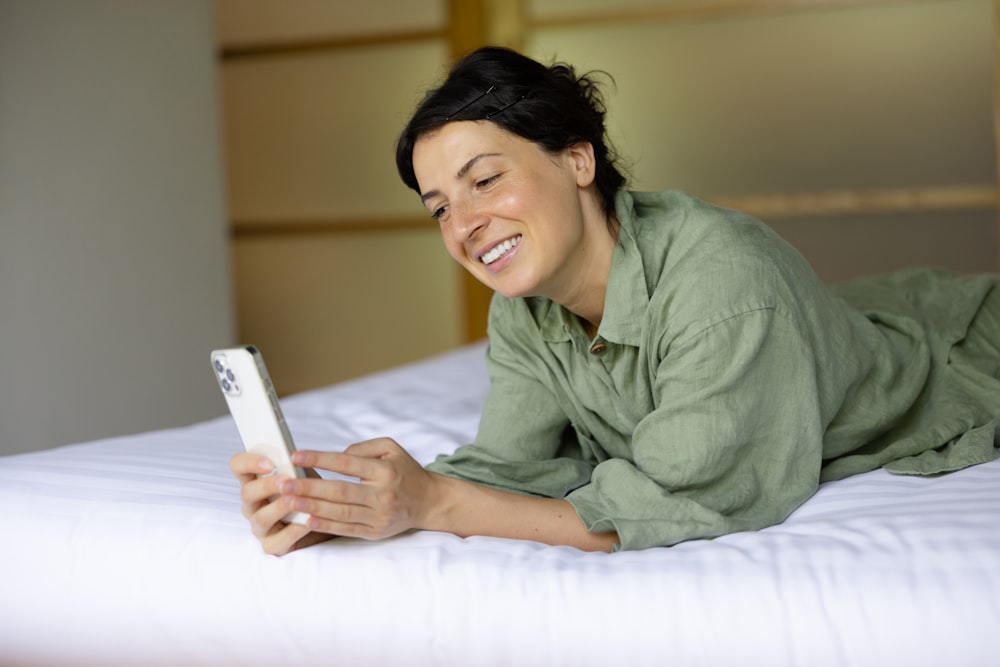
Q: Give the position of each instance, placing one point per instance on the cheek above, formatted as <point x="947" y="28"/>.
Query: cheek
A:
<point x="540" y="196"/>
<point x="514" y="198"/>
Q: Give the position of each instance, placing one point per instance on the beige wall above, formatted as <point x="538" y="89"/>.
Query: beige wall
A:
<point x="832" y="98"/>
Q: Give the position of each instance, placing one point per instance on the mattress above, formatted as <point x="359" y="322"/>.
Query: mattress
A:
<point x="133" y="551"/>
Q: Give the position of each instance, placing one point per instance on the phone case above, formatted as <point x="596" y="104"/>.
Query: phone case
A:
<point x="253" y="403"/>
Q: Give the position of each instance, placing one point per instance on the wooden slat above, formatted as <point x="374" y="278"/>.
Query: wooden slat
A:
<point x="467" y="26"/>
<point x="861" y="202"/>
<point x="693" y="11"/>
<point x="467" y="20"/>
<point x="507" y="23"/>
<point x="272" y="48"/>
<point x="245" y="229"/>
<point x="475" y="23"/>
<point x="802" y="205"/>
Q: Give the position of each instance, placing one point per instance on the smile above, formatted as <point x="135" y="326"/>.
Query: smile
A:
<point x="499" y="250"/>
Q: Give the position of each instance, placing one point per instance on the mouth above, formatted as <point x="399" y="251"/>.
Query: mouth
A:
<point x="499" y="250"/>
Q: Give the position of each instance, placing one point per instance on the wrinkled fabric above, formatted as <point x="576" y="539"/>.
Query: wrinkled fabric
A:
<point x="726" y="382"/>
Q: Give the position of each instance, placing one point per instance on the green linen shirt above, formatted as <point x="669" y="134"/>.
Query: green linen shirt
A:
<point x="725" y="382"/>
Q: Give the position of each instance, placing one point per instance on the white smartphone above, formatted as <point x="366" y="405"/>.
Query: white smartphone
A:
<point x="254" y="406"/>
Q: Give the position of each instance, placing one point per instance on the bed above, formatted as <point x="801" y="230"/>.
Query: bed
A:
<point x="133" y="551"/>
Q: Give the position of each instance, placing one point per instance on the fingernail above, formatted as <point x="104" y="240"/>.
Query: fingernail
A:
<point x="264" y="465"/>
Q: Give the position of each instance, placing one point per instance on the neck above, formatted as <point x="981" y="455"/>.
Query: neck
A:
<point x="586" y="301"/>
<point x="585" y="284"/>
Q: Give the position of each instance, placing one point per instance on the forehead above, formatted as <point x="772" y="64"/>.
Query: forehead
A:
<point x="441" y="153"/>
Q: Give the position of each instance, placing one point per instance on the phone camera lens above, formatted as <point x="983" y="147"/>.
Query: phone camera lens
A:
<point x="218" y="366"/>
<point x="229" y="374"/>
<point x="226" y="386"/>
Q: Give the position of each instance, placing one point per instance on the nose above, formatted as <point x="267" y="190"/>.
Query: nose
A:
<point x="467" y="220"/>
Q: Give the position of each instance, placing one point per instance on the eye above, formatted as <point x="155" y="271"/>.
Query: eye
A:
<point x="486" y="182"/>
<point x="439" y="212"/>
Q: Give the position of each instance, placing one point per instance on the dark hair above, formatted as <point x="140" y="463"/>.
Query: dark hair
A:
<point x="550" y="106"/>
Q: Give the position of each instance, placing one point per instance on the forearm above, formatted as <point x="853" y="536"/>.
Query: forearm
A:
<point x="466" y="509"/>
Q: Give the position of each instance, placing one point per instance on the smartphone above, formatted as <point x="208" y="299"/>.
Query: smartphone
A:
<point x="253" y="403"/>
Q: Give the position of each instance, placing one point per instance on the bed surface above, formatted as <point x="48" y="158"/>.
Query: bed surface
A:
<point x="133" y="551"/>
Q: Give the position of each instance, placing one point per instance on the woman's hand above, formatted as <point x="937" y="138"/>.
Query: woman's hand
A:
<point x="262" y="504"/>
<point x="393" y="493"/>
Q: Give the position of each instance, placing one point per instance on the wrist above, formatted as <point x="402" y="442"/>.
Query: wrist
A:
<point x="439" y="503"/>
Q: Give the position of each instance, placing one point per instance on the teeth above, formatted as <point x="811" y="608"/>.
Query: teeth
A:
<point x="500" y="250"/>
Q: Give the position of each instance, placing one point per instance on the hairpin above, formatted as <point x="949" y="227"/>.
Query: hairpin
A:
<point x="469" y="104"/>
<point x="505" y="108"/>
<point x="489" y="115"/>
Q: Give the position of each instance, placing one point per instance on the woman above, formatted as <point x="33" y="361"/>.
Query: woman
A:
<point x="661" y="369"/>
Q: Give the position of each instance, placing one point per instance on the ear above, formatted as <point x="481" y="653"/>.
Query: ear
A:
<point x="584" y="166"/>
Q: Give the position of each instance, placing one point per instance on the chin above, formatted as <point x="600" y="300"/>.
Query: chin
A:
<point x="506" y="285"/>
<point x="511" y="292"/>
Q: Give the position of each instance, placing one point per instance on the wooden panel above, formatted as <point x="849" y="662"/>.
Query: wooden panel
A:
<point x="277" y="228"/>
<point x="257" y="22"/>
<point x="844" y="247"/>
<point x="298" y="46"/>
<point x="313" y="136"/>
<point x="327" y="308"/>
<point x="892" y="95"/>
<point x="862" y="202"/>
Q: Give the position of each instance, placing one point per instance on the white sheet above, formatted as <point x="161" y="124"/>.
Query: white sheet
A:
<point x="132" y="551"/>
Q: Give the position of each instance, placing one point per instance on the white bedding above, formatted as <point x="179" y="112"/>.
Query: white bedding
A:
<point x="132" y="551"/>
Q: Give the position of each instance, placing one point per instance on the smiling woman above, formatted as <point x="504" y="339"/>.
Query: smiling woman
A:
<point x="661" y="369"/>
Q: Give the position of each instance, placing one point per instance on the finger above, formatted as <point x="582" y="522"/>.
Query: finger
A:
<point x="375" y="448"/>
<point x="245" y="465"/>
<point x="330" y="490"/>
<point x="327" y="517"/>
<point x="367" y="520"/>
<point x="278" y="537"/>
<point x="339" y="508"/>
<point x="361" y="523"/>
<point x="345" y="520"/>
<point x="258" y="490"/>
<point x="340" y="529"/>
<point x="269" y="517"/>
<point x="309" y="539"/>
<point x="287" y="538"/>
<point x="338" y="462"/>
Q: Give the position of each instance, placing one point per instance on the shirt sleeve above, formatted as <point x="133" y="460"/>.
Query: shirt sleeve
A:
<point x="525" y="443"/>
<point x="735" y="441"/>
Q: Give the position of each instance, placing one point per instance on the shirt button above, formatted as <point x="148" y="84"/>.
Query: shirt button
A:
<point x="598" y="348"/>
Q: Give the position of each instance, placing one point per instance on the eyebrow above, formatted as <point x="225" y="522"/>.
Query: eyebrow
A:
<point x="461" y="172"/>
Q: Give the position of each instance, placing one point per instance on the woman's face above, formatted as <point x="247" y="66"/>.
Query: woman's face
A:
<point x="518" y="218"/>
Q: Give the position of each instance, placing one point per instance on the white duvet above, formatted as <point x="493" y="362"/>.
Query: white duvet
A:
<point x="132" y="551"/>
